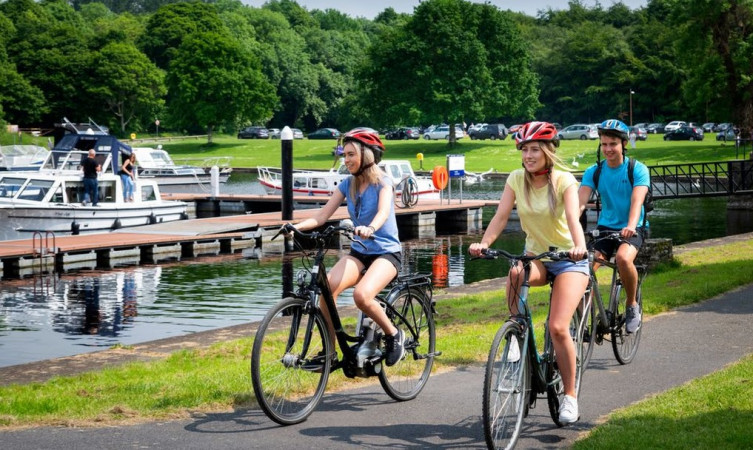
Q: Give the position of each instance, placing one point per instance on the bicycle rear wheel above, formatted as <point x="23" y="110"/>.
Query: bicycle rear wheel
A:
<point x="624" y="344"/>
<point x="405" y="380"/>
<point x="288" y="383"/>
<point x="506" y="388"/>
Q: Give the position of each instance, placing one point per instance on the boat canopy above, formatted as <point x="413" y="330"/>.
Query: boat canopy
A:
<point x="101" y="143"/>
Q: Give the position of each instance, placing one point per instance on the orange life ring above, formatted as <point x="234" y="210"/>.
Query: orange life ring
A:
<point x="440" y="177"/>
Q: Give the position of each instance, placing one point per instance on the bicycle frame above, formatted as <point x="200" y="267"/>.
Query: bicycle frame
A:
<point x="319" y="285"/>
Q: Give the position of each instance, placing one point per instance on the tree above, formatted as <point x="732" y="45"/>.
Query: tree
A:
<point x="452" y="59"/>
<point x="127" y="84"/>
<point x="167" y="28"/>
<point x="212" y="81"/>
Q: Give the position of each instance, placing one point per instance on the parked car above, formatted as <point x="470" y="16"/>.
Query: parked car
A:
<point x="727" y="135"/>
<point x="403" y="133"/>
<point x="274" y="133"/>
<point x="641" y="125"/>
<point x="675" y="124"/>
<point x="655" y="127"/>
<point x="640" y="133"/>
<point x="722" y="126"/>
<point x="579" y="131"/>
<point x="443" y="132"/>
<point x="684" y="133"/>
<point x="491" y="131"/>
<point x="253" y="133"/>
<point x="708" y="127"/>
<point x="324" y="133"/>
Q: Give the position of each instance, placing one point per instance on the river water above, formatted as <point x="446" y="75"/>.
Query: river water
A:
<point x="53" y="316"/>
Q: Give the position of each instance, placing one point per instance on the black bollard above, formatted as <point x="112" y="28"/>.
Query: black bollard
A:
<point x="286" y="142"/>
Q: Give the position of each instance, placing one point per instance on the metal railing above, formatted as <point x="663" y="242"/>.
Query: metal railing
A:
<point x="702" y="179"/>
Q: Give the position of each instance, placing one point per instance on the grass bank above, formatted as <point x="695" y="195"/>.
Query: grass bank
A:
<point x="217" y="378"/>
<point x="480" y="156"/>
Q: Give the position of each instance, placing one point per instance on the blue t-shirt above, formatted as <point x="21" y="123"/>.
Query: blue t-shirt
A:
<point x="362" y="210"/>
<point x="615" y="192"/>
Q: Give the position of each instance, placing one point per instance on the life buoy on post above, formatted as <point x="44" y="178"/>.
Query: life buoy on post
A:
<point x="440" y="177"/>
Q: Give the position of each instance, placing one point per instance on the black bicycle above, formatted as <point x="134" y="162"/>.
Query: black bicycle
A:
<point x="516" y="372"/>
<point x="293" y="356"/>
<point x="609" y="322"/>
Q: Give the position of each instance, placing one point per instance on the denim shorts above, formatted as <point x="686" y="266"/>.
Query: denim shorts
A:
<point x="554" y="268"/>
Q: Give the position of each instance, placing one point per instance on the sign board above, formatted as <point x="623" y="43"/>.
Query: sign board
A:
<point x="456" y="166"/>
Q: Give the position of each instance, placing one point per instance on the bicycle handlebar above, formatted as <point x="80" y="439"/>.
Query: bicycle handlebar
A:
<point x="490" y="253"/>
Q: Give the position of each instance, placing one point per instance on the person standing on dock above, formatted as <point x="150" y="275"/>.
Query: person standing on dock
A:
<point x="375" y="257"/>
<point x="91" y="169"/>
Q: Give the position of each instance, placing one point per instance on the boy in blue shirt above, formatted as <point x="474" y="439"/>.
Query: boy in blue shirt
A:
<point x="622" y="208"/>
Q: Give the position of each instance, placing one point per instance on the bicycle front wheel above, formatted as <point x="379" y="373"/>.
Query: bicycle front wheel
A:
<point x="412" y="314"/>
<point x="624" y="344"/>
<point x="506" y="387"/>
<point x="289" y="362"/>
<point x="555" y="390"/>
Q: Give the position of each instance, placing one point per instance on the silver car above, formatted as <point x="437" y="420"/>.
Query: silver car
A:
<point x="579" y="131"/>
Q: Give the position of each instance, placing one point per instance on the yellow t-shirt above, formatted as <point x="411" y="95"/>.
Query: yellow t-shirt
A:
<point x="542" y="229"/>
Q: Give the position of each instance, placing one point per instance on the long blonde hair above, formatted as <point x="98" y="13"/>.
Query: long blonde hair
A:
<point x="552" y="159"/>
<point x="371" y="175"/>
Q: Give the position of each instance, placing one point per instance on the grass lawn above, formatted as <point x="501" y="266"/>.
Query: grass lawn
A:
<point x="480" y="156"/>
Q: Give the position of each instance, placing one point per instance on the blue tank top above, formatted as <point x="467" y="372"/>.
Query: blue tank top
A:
<point x="362" y="210"/>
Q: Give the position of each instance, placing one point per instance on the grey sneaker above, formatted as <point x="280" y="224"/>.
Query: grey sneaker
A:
<point x="632" y="319"/>
<point x="395" y="348"/>
<point x="569" y="410"/>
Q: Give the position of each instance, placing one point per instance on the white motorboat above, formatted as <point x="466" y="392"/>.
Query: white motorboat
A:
<point x="22" y="157"/>
<point x="324" y="183"/>
<point x="156" y="163"/>
<point x="51" y="199"/>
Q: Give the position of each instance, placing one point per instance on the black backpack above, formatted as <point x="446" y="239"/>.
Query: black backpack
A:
<point x="648" y="201"/>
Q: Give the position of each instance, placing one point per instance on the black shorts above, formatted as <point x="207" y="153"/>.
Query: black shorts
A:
<point x="396" y="259"/>
<point x="608" y="247"/>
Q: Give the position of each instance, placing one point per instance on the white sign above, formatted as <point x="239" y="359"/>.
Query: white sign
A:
<point x="456" y="165"/>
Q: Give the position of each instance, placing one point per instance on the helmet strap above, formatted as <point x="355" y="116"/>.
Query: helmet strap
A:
<point x="541" y="172"/>
<point x="362" y="169"/>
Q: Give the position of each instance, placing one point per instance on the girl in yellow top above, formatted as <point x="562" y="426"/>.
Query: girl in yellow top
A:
<point x="547" y="204"/>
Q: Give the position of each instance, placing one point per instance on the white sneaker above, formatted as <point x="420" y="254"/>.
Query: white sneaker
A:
<point x="513" y="351"/>
<point x="569" y="410"/>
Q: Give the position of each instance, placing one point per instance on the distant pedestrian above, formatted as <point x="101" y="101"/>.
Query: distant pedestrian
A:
<point x="127" y="176"/>
<point x="632" y="139"/>
<point x="91" y="168"/>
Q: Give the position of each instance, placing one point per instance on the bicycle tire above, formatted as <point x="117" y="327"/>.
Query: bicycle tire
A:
<point x="506" y="388"/>
<point x="555" y="390"/>
<point x="410" y="192"/>
<point x="288" y="385"/>
<point x="624" y="344"/>
<point x="406" y="378"/>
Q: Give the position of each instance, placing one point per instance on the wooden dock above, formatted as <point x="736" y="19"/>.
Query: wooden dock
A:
<point x="249" y="233"/>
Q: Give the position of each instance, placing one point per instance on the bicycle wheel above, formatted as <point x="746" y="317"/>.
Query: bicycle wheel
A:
<point x="404" y="380"/>
<point x="288" y="383"/>
<point x="624" y="344"/>
<point x="506" y="388"/>
<point x="409" y="194"/>
<point x="555" y="390"/>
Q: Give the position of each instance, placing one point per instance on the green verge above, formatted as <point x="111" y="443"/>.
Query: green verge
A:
<point x="217" y="378"/>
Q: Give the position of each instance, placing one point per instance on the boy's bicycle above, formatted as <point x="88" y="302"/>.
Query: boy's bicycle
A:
<point x="293" y="355"/>
<point x="516" y="372"/>
<point x="608" y="323"/>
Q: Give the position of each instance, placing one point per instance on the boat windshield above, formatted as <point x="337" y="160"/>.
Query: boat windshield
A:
<point x="10" y="186"/>
<point x="35" y="190"/>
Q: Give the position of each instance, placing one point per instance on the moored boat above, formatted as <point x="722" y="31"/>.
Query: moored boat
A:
<point x="156" y="163"/>
<point x="324" y="183"/>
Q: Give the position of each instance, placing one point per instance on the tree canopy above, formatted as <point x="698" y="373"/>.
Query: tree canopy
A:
<point x="220" y="64"/>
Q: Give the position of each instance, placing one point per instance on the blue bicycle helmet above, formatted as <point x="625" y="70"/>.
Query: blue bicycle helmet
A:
<point x="614" y="127"/>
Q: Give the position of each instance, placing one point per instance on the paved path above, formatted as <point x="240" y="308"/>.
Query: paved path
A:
<point x="676" y="347"/>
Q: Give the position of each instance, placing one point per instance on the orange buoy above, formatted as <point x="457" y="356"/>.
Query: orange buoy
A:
<point x="440" y="177"/>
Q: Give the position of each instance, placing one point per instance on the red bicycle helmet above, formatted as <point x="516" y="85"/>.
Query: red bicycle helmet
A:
<point x="536" y="131"/>
<point x="367" y="138"/>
